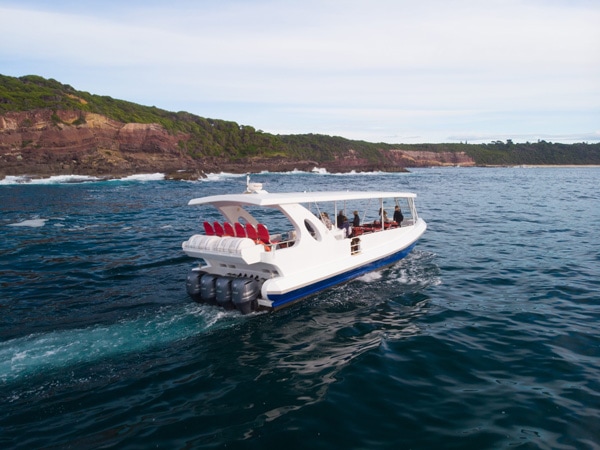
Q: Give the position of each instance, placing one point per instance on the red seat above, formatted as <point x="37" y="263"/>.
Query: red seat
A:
<point x="263" y="233"/>
<point x="208" y="229"/>
<point x="228" y="229"/>
<point x="219" y="231"/>
<point x="251" y="232"/>
<point x="239" y="230"/>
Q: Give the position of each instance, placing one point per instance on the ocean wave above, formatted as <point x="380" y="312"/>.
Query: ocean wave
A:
<point x="370" y="277"/>
<point x="36" y="353"/>
<point x="210" y="177"/>
<point x="220" y="176"/>
<point x="33" y="223"/>
<point x="352" y="173"/>
<point x="56" y="179"/>
<point x="70" y="179"/>
<point x="143" y="177"/>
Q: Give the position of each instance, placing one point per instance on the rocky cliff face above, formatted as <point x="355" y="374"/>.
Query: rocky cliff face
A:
<point x="44" y="143"/>
<point x="396" y="159"/>
<point x="411" y="158"/>
<point x="70" y="142"/>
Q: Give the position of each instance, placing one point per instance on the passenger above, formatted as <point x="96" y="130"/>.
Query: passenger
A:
<point x="356" y="221"/>
<point x="326" y="220"/>
<point x="346" y="226"/>
<point x="398" y="217"/>
<point x="386" y="219"/>
<point x="340" y="219"/>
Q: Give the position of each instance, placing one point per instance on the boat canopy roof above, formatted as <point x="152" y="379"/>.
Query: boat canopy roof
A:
<point x="273" y="199"/>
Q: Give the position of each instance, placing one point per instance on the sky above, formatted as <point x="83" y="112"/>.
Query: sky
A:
<point x="395" y="71"/>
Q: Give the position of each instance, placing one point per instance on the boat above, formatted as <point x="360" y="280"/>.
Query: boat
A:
<point x="266" y="251"/>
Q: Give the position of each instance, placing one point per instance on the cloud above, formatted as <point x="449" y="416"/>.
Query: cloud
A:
<point x="419" y="63"/>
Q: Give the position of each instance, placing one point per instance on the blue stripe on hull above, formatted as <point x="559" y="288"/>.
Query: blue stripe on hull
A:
<point x="282" y="299"/>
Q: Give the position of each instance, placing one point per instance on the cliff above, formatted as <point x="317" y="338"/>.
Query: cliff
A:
<point x="50" y="128"/>
<point x="44" y="142"/>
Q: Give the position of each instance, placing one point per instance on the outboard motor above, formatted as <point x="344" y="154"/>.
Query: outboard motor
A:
<point x="244" y="292"/>
<point x="223" y="291"/>
<point x="208" y="290"/>
<point x="192" y="284"/>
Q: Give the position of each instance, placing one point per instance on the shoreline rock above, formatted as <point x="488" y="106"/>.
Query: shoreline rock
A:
<point x="41" y="143"/>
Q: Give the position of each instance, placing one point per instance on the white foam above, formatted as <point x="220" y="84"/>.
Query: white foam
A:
<point x="57" y="179"/>
<point x="370" y="277"/>
<point x="323" y="171"/>
<point x="69" y="179"/>
<point x="33" y="223"/>
<point x="62" y="348"/>
<point x="145" y="177"/>
<point x="221" y="176"/>
<point x="375" y="173"/>
<point x="14" y="180"/>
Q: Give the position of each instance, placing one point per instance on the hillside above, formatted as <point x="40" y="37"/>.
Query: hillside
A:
<point x="51" y="128"/>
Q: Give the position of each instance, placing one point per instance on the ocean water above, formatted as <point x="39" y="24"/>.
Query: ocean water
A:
<point x="486" y="336"/>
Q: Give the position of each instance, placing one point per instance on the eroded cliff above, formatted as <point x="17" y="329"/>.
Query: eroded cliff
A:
<point x="45" y="142"/>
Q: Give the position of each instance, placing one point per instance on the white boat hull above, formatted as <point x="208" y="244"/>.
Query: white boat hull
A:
<point x="315" y="257"/>
<point x="342" y="266"/>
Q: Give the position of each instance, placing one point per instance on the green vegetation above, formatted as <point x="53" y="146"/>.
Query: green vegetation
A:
<point x="540" y="152"/>
<point x="219" y="138"/>
<point x="207" y="137"/>
<point x="324" y="148"/>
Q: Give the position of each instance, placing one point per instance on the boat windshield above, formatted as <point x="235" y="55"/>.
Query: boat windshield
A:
<point x="368" y="211"/>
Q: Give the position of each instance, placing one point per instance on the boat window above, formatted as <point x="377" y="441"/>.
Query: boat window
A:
<point x="312" y="230"/>
<point x="368" y="210"/>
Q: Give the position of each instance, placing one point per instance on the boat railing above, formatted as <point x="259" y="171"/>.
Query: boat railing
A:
<point x="281" y="241"/>
<point x="374" y="227"/>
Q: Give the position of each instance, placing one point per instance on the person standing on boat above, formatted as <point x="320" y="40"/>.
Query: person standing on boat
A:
<point x="356" y="220"/>
<point x="398" y="217"/>
<point x="344" y="224"/>
<point x="326" y="220"/>
<point x="339" y="221"/>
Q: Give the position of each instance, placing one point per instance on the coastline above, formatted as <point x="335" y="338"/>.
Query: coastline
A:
<point x="544" y="166"/>
<point x="196" y="176"/>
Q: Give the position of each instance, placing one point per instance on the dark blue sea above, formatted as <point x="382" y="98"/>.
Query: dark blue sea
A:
<point x="485" y="337"/>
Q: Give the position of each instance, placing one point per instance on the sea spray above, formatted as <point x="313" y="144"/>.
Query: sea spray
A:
<point x="37" y="353"/>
